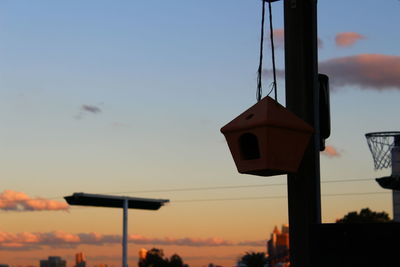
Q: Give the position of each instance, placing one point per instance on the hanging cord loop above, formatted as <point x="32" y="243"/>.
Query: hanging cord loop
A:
<point x="271" y="29"/>
<point x="259" y="71"/>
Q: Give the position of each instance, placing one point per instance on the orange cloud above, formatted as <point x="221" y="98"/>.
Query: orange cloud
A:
<point x="367" y="71"/>
<point x="29" y="241"/>
<point x="19" y="201"/>
<point x="331" y="152"/>
<point x="279" y="38"/>
<point x="374" y="71"/>
<point x="60" y="239"/>
<point x="346" y="39"/>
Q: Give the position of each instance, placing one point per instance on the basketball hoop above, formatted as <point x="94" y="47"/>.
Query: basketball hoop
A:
<point x="381" y="144"/>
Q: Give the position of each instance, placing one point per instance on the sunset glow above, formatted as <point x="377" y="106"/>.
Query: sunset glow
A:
<point x="128" y="98"/>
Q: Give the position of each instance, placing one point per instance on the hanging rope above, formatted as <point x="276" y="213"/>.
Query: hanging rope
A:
<point x="259" y="71"/>
<point x="271" y="29"/>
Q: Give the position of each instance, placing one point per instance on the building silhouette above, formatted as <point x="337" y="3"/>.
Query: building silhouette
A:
<point x="80" y="260"/>
<point x="278" y="246"/>
<point x="53" y="261"/>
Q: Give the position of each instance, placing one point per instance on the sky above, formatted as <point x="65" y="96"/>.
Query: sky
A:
<point x="128" y="98"/>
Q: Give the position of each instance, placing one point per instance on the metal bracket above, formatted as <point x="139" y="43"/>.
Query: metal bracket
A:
<point x="389" y="182"/>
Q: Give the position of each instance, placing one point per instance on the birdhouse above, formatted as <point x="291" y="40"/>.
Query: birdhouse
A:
<point x="267" y="139"/>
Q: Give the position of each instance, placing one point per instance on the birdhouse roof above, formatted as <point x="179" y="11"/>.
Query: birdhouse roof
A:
<point x="267" y="112"/>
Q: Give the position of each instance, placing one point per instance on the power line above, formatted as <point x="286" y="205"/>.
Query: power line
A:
<point x="274" y="197"/>
<point x="199" y="188"/>
<point x="183" y="189"/>
<point x="347" y="180"/>
<point x="260" y="198"/>
<point x="229" y="187"/>
<point x="266" y="197"/>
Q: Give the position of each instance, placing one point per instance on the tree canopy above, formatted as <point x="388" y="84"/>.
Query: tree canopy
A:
<point x="365" y="216"/>
<point x="253" y="259"/>
<point x="155" y="258"/>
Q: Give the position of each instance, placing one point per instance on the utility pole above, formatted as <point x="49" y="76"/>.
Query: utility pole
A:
<point x="302" y="98"/>
<point x="125" y="233"/>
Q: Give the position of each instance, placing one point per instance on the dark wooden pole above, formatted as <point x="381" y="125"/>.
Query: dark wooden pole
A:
<point x="301" y="67"/>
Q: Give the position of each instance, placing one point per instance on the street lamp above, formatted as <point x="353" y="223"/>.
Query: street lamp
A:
<point x="96" y="200"/>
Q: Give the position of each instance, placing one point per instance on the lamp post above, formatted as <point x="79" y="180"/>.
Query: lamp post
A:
<point x="96" y="200"/>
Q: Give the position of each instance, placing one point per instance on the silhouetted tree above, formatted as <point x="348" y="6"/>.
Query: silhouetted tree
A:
<point x="253" y="259"/>
<point x="365" y="216"/>
<point x="175" y="261"/>
<point x="155" y="258"/>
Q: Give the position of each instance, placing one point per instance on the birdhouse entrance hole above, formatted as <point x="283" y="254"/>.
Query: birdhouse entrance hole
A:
<point x="249" y="147"/>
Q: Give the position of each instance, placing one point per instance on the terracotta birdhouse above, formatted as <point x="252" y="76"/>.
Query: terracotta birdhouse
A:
<point x="267" y="139"/>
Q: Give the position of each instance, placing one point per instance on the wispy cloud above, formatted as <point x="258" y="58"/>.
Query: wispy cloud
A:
<point x="371" y="71"/>
<point x="19" y="201"/>
<point x="86" y="110"/>
<point x="59" y="239"/>
<point x="346" y="39"/>
<point x="192" y="242"/>
<point x="91" y="109"/>
<point x="331" y="152"/>
<point x="279" y="38"/>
